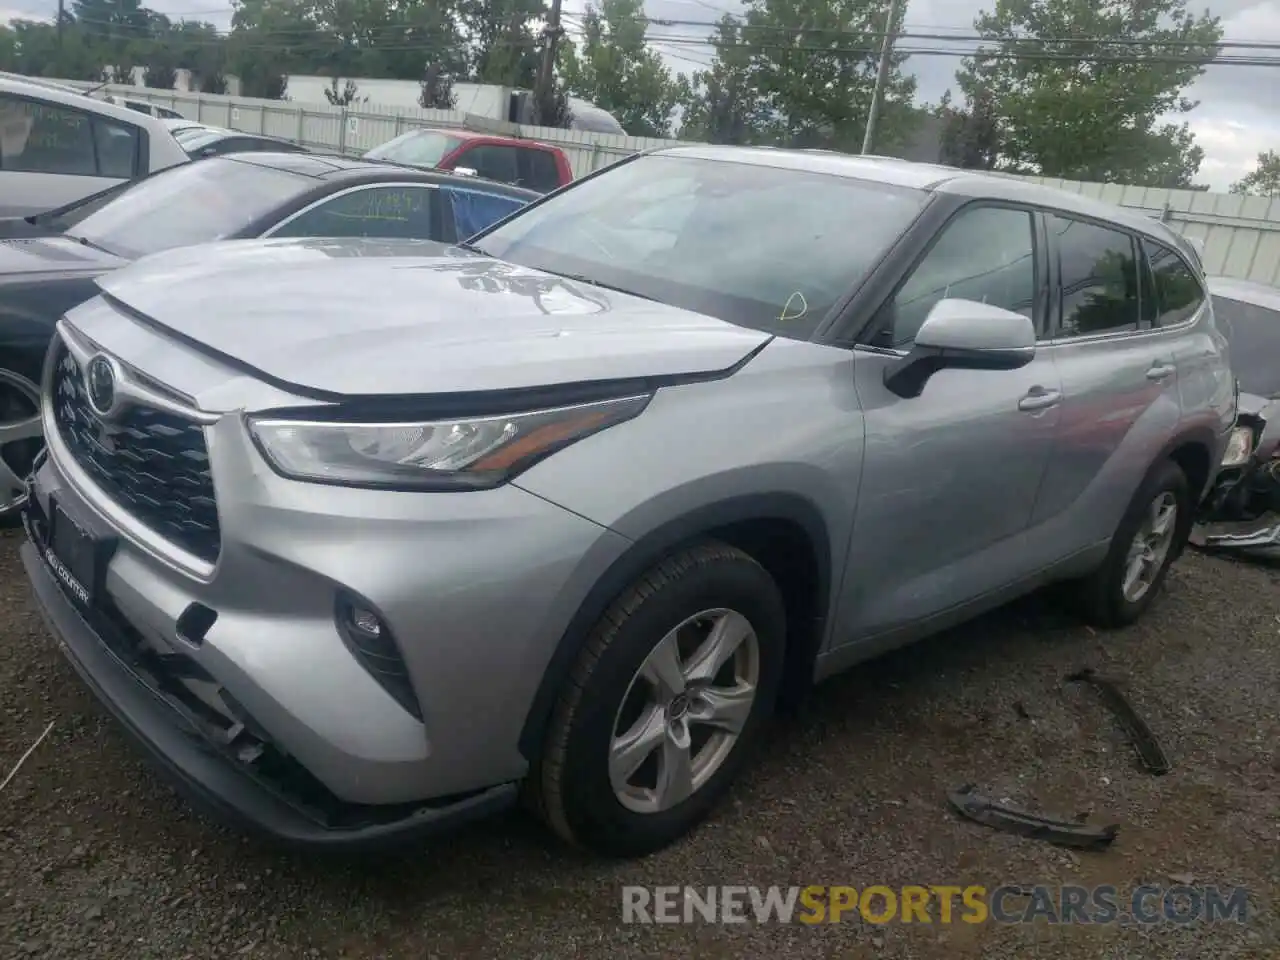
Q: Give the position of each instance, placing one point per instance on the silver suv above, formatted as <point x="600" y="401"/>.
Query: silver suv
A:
<point x="364" y="539"/>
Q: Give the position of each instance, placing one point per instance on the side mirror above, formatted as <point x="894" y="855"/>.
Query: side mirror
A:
<point x="964" y="334"/>
<point x="465" y="171"/>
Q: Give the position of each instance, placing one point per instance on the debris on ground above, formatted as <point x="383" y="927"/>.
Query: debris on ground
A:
<point x="1064" y="833"/>
<point x="23" y="759"/>
<point x="1144" y="740"/>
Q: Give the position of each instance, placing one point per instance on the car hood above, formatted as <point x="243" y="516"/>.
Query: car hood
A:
<point x="29" y="256"/>
<point x="365" y="318"/>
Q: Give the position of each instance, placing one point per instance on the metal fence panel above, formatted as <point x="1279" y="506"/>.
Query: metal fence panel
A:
<point x="1241" y="235"/>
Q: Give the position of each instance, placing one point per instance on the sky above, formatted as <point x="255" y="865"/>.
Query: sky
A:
<point x="1238" y="115"/>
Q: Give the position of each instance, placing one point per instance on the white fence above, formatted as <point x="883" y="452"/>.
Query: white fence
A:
<point x="1241" y="235"/>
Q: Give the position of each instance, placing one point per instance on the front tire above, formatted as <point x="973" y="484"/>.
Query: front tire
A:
<point x="665" y="704"/>
<point x="1150" y="537"/>
<point x="21" y="436"/>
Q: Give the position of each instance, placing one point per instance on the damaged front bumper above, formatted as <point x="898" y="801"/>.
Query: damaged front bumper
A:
<point x="1259" y="537"/>
<point x="1241" y="514"/>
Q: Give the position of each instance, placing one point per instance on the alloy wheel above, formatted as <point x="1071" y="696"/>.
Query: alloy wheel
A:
<point x="684" y="711"/>
<point x="21" y="438"/>
<point x="1150" y="547"/>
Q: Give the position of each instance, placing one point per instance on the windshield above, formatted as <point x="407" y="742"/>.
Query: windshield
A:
<point x="417" y="148"/>
<point x="1254" y="335"/>
<point x="189" y="204"/>
<point x="755" y="245"/>
<point x="192" y="137"/>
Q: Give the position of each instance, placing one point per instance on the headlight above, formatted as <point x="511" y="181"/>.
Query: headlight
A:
<point x="1239" y="447"/>
<point x="471" y="453"/>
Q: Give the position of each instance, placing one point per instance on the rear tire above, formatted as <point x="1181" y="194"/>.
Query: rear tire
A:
<point x="589" y="786"/>
<point x="1119" y="592"/>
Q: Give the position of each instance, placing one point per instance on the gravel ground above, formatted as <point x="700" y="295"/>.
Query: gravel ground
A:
<point x="98" y="859"/>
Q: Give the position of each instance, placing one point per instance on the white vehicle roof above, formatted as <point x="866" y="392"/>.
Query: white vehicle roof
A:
<point x="165" y="151"/>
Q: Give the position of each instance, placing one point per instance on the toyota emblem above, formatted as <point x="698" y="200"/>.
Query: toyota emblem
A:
<point x="100" y="382"/>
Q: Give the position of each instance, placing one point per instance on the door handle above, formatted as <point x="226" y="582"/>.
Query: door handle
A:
<point x="1038" y="398"/>
<point x="1161" y="370"/>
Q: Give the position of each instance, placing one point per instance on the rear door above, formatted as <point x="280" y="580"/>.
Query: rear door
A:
<point x="52" y="155"/>
<point x="1119" y="378"/>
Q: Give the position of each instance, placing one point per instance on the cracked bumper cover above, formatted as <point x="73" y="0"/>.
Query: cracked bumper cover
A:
<point x="207" y="778"/>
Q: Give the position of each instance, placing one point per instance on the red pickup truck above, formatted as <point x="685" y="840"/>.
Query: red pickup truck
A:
<point x="524" y="163"/>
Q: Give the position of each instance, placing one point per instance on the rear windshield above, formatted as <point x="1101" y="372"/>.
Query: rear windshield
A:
<point x="760" y="246"/>
<point x="1254" y="333"/>
<point x="417" y="148"/>
<point x="214" y="199"/>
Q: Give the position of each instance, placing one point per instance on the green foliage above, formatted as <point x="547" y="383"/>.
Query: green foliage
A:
<point x="970" y="136"/>
<point x="1264" y="180"/>
<point x="814" y="62"/>
<point x="1093" y="119"/>
<point x="721" y="104"/>
<point x="344" y="97"/>
<point x="611" y="66"/>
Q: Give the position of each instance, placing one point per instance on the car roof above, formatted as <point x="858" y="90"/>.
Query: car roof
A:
<point x="334" y="167"/>
<point x="66" y="96"/>
<point x="461" y="134"/>
<point x="932" y="178"/>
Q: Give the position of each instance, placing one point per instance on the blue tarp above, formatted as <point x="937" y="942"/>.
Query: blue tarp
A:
<point x="473" y="210"/>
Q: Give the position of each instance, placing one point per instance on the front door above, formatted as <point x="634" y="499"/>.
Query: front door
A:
<point x="950" y="478"/>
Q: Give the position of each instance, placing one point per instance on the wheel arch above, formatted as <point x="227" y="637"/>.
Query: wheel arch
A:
<point x="774" y="528"/>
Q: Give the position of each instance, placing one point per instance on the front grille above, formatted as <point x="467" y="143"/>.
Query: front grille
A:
<point x="152" y="463"/>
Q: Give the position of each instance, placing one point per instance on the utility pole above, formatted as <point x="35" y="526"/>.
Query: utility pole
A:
<point x="882" y="76"/>
<point x="546" y="70"/>
<point x="61" y="15"/>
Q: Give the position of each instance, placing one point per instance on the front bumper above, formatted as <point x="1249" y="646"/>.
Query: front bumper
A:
<point x="1256" y="538"/>
<point x="179" y="748"/>
<point x="266" y="711"/>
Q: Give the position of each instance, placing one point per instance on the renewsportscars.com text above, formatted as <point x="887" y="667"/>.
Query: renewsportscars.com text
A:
<point x="936" y="904"/>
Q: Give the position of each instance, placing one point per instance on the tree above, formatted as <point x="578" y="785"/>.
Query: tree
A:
<point x="970" y="136"/>
<point x="1264" y="181"/>
<point x="814" y="63"/>
<point x="720" y="104"/>
<point x="502" y="48"/>
<point x="160" y="63"/>
<point x="437" y="88"/>
<point x="612" y="67"/>
<point x="344" y="97"/>
<point x="1096" y="118"/>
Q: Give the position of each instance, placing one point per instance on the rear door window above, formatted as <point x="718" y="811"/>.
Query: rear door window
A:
<point x="40" y="137"/>
<point x="492" y="161"/>
<point x="408" y="212"/>
<point x="539" y="170"/>
<point x="1099" y="278"/>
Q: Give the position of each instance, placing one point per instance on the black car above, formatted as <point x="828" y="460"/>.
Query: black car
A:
<point x="232" y="197"/>
<point x="202" y="141"/>
<point x="52" y="222"/>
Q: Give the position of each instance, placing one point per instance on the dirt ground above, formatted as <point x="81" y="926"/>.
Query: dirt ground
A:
<point x="98" y="859"/>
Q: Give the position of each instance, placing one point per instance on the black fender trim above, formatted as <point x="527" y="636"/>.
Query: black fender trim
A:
<point x="642" y="555"/>
<point x="1203" y="436"/>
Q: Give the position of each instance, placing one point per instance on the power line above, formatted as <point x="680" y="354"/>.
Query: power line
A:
<point x="878" y="36"/>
